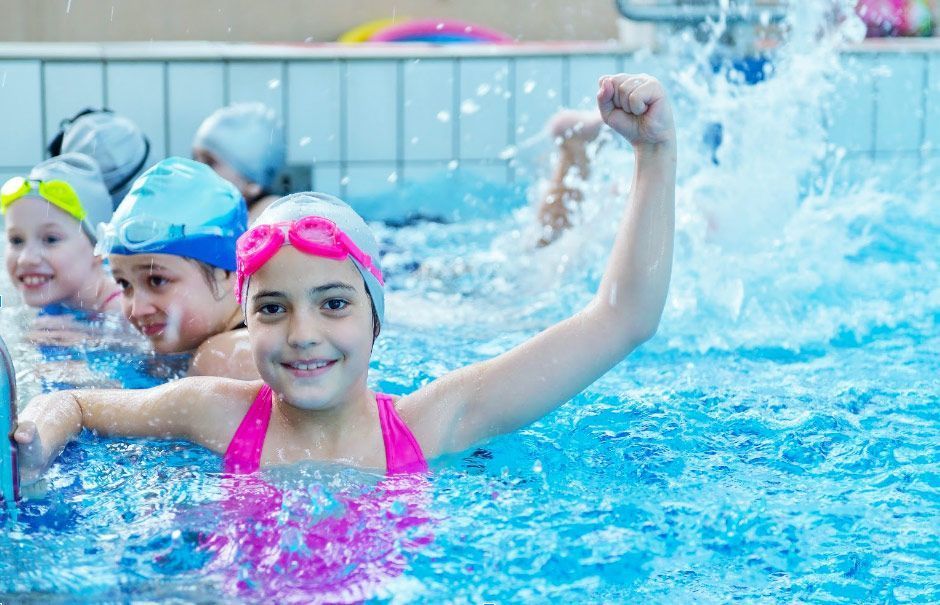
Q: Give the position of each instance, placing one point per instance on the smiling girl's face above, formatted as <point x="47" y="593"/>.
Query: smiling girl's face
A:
<point x="311" y="328"/>
<point x="48" y="256"/>
<point x="169" y="299"/>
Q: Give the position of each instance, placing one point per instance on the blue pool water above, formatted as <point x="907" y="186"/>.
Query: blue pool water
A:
<point x="777" y="441"/>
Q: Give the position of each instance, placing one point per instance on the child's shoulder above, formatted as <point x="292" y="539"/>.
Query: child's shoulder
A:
<point x="218" y="388"/>
<point x="216" y="406"/>
<point x="226" y="354"/>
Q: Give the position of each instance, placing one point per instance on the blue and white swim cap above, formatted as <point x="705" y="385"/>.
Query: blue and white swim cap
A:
<point x="116" y="143"/>
<point x="247" y="136"/>
<point x="178" y="207"/>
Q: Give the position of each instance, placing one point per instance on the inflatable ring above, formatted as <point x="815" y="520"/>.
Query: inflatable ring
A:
<point x="439" y="31"/>
<point x="363" y="32"/>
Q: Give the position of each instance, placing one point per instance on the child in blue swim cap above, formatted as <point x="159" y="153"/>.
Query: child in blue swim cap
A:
<point x="49" y="218"/>
<point x="244" y="143"/>
<point x="116" y="143"/>
<point x="171" y="245"/>
<point x="311" y="287"/>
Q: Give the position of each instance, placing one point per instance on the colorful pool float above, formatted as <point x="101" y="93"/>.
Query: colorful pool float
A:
<point x="435" y="31"/>
<point x="362" y="33"/>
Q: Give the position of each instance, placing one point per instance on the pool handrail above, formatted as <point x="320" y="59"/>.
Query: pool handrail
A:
<point x="691" y="14"/>
<point x="9" y="475"/>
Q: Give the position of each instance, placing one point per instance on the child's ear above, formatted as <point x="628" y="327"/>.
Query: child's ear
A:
<point x="253" y="191"/>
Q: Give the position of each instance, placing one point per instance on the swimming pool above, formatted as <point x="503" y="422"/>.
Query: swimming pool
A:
<point x="778" y="440"/>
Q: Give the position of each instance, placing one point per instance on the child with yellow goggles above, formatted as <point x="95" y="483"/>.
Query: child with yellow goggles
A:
<point x="49" y="218"/>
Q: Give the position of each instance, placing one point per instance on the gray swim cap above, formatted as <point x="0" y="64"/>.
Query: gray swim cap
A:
<point x="116" y="144"/>
<point x="83" y="174"/>
<point x="308" y="203"/>
<point x="247" y="136"/>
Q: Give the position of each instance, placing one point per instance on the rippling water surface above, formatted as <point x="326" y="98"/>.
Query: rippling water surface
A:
<point x="777" y="441"/>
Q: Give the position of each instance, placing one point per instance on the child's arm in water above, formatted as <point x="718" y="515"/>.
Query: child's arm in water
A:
<point x="185" y="409"/>
<point x="572" y="131"/>
<point x="522" y="385"/>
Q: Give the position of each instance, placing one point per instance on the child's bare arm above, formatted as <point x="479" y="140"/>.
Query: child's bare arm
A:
<point x="195" y="409"/>
<point x="572" y="131"/>
<point x="531" y="380"/>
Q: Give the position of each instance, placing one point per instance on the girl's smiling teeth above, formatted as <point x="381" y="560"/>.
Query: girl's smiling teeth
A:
<point x="33" y="280"/>
<point x="309" y="365"/>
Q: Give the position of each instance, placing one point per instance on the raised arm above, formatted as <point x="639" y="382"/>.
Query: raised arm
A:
<point x="184" y="409"/>
<point x="572" y="131"/>
<point x="529" y="381"/>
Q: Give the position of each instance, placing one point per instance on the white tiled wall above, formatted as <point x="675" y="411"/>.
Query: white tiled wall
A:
<point x="932" y="103"/>
<point x="138" y="91"/>
<point x="368" y="125"/>
<point x="21" y="114"/>
<point x="196" y="89"/>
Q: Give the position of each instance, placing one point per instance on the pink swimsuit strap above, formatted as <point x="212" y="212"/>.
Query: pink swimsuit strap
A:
<point x="402" y="452"/>
<point x="243" y="456"/>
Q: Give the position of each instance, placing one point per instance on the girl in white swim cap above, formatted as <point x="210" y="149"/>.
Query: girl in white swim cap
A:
<point x="311" y="289"/>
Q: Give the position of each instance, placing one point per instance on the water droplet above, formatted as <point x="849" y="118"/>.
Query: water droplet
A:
<point x="305" y="141"/>
<point x="273" y="83"/>
<point x="439" y="26"/>
<point x="529" y="86"/>
<point x="483" y="89"/>
<point x="453" y="164"/>
<point x="393" y="177"/>
<point x="469" y="107"/>
<point x="443" y="116"/>
<point x="344" y="181"/>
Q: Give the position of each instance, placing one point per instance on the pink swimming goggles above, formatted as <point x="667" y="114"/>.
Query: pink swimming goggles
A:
<point x="312" y="235"/>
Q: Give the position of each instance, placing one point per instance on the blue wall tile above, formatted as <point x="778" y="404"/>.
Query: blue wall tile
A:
<point x="583" y="74"/>
<point x="257" y="81"/>
<point x="313" y="112"/>
<point x="418" y="173"/>
<point x="195" y="90"/>
<point x="538" y="94"/>
<point x="370" y="179"/>
<point x="493" y="172"/>
<point x="137" y="91"/>
<point x="327" y="177"/>
<point x="21" y="128"/>
<point x="371" y="114"/>
<point x="70" y="87"/>
<point x="428" y="101"/>
<point x="899" y="88"/>
<point x="483" y="106"/>
<point x="851" y="110"/>
<point x="932" y="118"/>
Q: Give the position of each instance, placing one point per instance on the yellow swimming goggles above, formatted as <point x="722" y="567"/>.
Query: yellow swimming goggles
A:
<point x="58" y="193"/>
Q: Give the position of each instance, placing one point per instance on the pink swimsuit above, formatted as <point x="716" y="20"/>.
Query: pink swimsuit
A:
<point x="273" y="546"/>
<point x="402" y="452"/>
